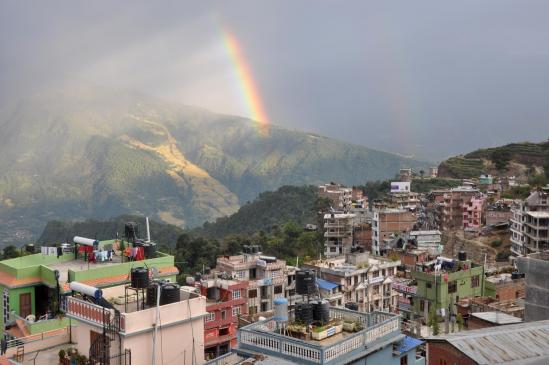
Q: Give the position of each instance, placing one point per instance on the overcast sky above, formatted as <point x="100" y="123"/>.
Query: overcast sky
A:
<point x="422" y="78"/>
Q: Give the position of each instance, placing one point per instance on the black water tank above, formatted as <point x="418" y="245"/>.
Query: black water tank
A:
<point x="304" y="313"/>
<point x="516" y="275"/>
<point x="305" y="282"/>
<point x="462" y="256"/>
<point x="321" y="311"/>
<point x="140" y="277"/>
<point x="150" y="250"/>
<point x="29" y="248"/>
<point x="352" y="306"/>
<point x="170" y="293"/>
<point x="131" y="231"/>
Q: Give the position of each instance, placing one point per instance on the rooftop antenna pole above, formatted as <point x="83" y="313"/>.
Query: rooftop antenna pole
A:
<point x="148" y="231"/>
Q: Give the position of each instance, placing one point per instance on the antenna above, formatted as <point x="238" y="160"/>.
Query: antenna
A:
<point x="148" y="230"/>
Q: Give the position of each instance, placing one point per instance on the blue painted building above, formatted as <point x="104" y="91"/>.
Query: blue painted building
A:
<point x="377" y="339"/>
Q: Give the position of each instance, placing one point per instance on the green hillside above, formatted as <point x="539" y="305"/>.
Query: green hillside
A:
<point x="524" y="160"/>
<point x="94" y="153"/>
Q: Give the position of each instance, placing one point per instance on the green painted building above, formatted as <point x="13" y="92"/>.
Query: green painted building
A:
<point x="444" y="288"/>
<point x="29" y="287"/>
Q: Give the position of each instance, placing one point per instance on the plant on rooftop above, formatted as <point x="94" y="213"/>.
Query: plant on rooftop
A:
<point x="459" y="321"/>
<point x="61" y="354"/>
<point x="433" y="322"/>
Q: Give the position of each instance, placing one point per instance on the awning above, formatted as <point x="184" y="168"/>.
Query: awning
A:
<point x="407" y="344"/>
<point x="325" y="284"/>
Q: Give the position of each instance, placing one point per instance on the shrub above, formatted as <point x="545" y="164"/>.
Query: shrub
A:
<point x="496" y="243"/>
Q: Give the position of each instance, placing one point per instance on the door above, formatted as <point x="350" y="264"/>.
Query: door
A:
<point x="25" y="306"/>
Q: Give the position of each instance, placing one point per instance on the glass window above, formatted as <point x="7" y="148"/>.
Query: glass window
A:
<point x="210" y="317"/>
<point x="236" y="294"/>
<point x="236" y="311"/>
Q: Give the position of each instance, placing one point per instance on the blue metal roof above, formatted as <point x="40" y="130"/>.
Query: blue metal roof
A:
<point x="408" y="343"/>
<point x="325" y="284"/>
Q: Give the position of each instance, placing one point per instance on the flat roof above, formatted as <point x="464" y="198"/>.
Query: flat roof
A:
<point x="417" y="233"/>
<point x="541" y="214"/>
<point x="497" y="317"/>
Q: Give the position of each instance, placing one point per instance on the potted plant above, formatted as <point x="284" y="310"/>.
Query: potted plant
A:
<point x="62" y="356"/>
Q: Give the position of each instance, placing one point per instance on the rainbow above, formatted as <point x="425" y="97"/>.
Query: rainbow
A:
<point x="247" y="85"/>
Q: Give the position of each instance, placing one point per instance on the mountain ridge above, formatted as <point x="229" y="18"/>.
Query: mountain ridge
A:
<point x="96" y="154"/>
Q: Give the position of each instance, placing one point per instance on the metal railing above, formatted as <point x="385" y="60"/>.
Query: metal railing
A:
<point x="38" y="337"/>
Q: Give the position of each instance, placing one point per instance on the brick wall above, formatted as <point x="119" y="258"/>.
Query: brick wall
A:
<point x="442" y="353"/>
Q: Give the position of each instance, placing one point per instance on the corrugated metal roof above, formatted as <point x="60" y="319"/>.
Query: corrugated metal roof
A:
<point x="523" y="343"/>
<point x="408" y="343"/>
<point x="497" y="317"/>
<point x="325" y="284"/>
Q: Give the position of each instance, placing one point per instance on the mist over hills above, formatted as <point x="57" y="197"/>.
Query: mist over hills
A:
<point x="89" y="152"/>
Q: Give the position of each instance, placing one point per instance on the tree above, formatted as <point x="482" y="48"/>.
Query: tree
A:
<point x="433" y="322"/>
<point x="501" y="158"/>
<point x="421" y="173"/>
<point x="10" y="252"/>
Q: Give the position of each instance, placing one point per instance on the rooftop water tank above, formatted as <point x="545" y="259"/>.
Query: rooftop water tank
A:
<point x="305" y="282"/>
<point x="170" y="293"/>
<point x="139" y="277"/>
<point x="304" y="313"/>
<point x="280" y="310"/>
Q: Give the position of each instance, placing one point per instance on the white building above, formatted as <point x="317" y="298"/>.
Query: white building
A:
<point x="530" y="224"/>
<point x="338" y="233"/>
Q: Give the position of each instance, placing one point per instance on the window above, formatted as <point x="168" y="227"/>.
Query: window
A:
<point x="452" y="287"/>
<point x="252" y="309"/>
<point x="240" y="274"/>
<point x="223" y="315"/>
<point x="236" y="294"/>
<point x="278" y="289"/>
<point x="252" y="293"/>
<point x="404" y="360"/>
<point x="429" y="285"/>
<point x="210" y="317"/>
<point x="475" y="280"/>
<point x="236" y="311"/>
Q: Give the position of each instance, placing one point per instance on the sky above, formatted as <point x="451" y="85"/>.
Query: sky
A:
<point x="428" y="79"/>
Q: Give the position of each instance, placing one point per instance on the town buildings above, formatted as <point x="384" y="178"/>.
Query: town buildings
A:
<point x="340" y="196"/>
<point x="268" y="278"/>
<point x="226" y="300"/>
<point x="388" y="224"/>
<point x="338" y="233"/>
<point x="357" y="278"/>
<point x="433" y="171"/>
<point x="521" y="343"/>
<point x="530" y="224"/>
<point x="406" y="174"/>
<point x="498" y="213"/>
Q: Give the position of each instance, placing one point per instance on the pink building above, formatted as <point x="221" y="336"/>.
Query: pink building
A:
<point x="473" y="212"/>
<point x="173" y="332"/>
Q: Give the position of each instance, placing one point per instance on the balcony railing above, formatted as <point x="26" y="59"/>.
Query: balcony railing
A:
<point x="377" y="326"/>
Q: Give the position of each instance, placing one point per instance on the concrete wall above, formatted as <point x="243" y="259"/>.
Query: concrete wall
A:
<point x="535" y="268"/>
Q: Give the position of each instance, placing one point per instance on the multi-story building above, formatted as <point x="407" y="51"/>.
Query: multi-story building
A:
<point x="389" y="223"/>
<point x="32" y="285"/>
<point x="362" y="236"/>
<point x="338" y="233"/>
<point x="226" y="300"/>
<point x="433" y="171"/>
<point x="530" y="223"/>
<point x="340" y="196"/>
<point x="451" y="208"/>
<point x="406" y="174"/>
<point x="473" y="212"/>
<point x="443" y="282"/>
<point x="430" y="241"/>
<point x="267" y="277"/>
<point x="120" y="331"/>
<point x="350" y="337"/>
<point x="535" y="267"/>
<point x="357" y="278"/>
<point x="498" y="213"/>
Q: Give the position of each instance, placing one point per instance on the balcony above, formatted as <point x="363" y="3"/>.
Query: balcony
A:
<point x="378" y="326"/>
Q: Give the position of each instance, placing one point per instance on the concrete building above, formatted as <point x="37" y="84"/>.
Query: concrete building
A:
<point x="473" y="212"/>
<point x="433" y="171"/>
<point x="30" y="288"/>
<point x="121" y="330"/>
<point x="535" y="268"/>
<point x="362" y="236"/>
<point x="338" y="233"/>
<point x="430" y="241"/>
<point x="512" y="344"/>
<point x="340" y="196"/>
<point x="267" y="278"/>
<point x="376" y="340"/>
<point x="357" y="278"/>
<point x="530" y="224"/>
<point x="443" y="282"/>
<point x="226" y="301"/>
<point x="498" y="213"/>
<point x="390" y="223"/>
<point x="451" y="207"/>
<point x="406" y="174"/>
